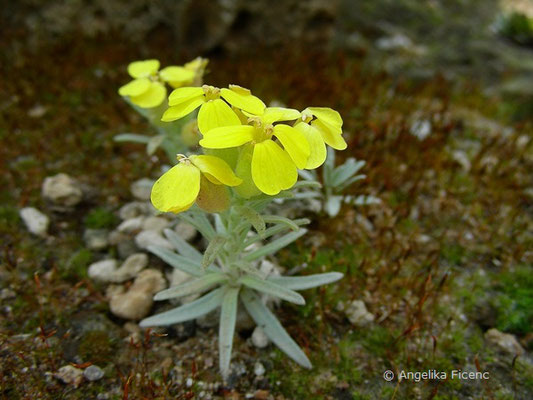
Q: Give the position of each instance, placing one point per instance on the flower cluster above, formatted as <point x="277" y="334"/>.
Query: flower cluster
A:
<point x="148" y="90"/>
<point x="253" y="148"/>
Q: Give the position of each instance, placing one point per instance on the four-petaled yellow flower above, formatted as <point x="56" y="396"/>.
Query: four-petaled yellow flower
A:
<point x="273" y="168"/>
<point x="148" y="90"/>
<point x="321" y="126"/>
<point x="178" y="188"/>
<point x="214" y="112"/>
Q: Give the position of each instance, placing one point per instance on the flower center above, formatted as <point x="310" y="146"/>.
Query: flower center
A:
<point x="211" y="92"/>
<point x="261" y="132"/>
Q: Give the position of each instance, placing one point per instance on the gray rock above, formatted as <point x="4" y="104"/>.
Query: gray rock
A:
<point x="462" y="159"/>
<point x="130" y="268"/>
<point x="131" y="225"/>
<point x="177" y="277"/>
<point x="102" y="270"/>
<point x="135" y="209"/>
<point x="155" y="224"/>
<point x="96" y="239"/>
<point x="357" y="313"/>
<point x="36" y="222"/>
<point x="185" y="230"/>
<point x="70" y="375"/>
<point x="504" y="341"/>
<point x="259" y="338"/>
<point x="93" y="373"/>
<point x="142" y="188"/>
<point x="152" y="238"/>
<point x="259" y="369"/>
<point x="62" y="190"/>
<point x="115" y="237"/>
<point x="137" y="301"/>
<point x="421" y="129"/>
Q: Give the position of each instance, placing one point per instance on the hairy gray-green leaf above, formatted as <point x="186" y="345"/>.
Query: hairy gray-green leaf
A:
<point x="193" y="286"/>
<point x="254" y="218"/>
<point x="272" y="289"/>
<point x="184" y="248"/>
<point x="188" y="311"/>
<point x="191" y="267"/>
<point x="154" y="143"/>
<point x="132" y="137"/>
<point x="274" y="230"/>
<point x="200" y="222"/>
<point x="213" y="248"/>
<point x="305" y="282"/>
<point x="345" y="171"/>
<point x="333" y="205"/>
<point x="228" y="317"/>
<point x="275" y="219"/>
<point x="264" y="318"/>
<point x="275" y="245"/>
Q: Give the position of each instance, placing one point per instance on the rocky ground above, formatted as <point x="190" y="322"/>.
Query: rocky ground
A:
<point x="437" y="276"/>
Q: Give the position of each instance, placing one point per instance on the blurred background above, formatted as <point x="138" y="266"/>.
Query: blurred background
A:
<point x="436" y="96"/>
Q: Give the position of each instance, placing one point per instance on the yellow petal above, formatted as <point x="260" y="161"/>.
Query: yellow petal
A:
<point x="143" y="69"/>
<point x="198" y="63"/>
<point x="242" y="98"/>
<point x="179" y="111"/>
<point x="276" y="114"/>
<point x="177" y="189"/>
<point x="184" y="94"/>
<point x="294" y="143"/>
<point x="135" y="87"/>
<point x="177" y="76"/>
<point x="215" y="114"/>
<point x="227" y="136"/>
<point x="216" y="170"/>
<point x="272" y="168"/>
<point x="153" y="97"/>
<point x="327" y="115"/>
<point x="330" y="135"/>
<point x="317" y="147"/>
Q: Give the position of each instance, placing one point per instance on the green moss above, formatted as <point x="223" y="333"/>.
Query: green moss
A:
<point x="9" y="217"/>
<point x="75" y="267"/>
<point x="97" y="347"/>
<point x="100" y="218"/>
<point x="515" y="303"/>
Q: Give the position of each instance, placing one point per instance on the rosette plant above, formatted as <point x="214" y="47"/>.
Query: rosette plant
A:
<point x="249" y="155"/>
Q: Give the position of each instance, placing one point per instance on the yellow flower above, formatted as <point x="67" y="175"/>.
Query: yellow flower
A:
<point x="214" y="112"/>
<point x="178" y="188"/>
<point x="148" y="90"/>
<point x="273" y="168"/>
<point x="321" y="126"/>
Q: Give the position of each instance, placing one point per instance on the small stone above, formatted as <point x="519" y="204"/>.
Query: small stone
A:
<point x="259" y="369"/>
<point x="131" y="225"/>
<point x="36" y="222"/>
<point x="96" y="239"/>
<point x="261" y="394"/>
<point x="102" y="270"/>
<point x="142" y="188"/>
<point x="70" y="375"/>
<point x="395" y="42"/>
<point x="7" y="294"/>
<point x="37" y="111"/>
<point x="357" y="313"/>
<point x="421" y="129"/>
<point x="152" y="238"/>
<point x="155" y="224"/>
<point x="130" y="268"/>
<point x="93" y="373"/>
<point x="177" y="277"/>
<point x="189" y="382"/>
<point x="504" y="341"/>
<point x="62" y="190"/>
<point x="259" y="338"/>
<point x="185" y="230"/>
<point x="135" y="209"/>
<point x="137" y="301"/>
